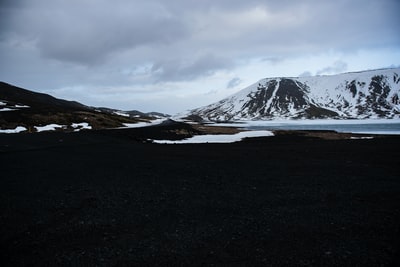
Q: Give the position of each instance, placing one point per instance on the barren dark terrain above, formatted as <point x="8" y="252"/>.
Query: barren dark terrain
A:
<point x="109" y="198"/>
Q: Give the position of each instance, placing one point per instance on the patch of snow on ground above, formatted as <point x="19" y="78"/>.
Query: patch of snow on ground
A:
<point x="136" y="125"/>
<point x="216" y="138"/>
<point x="22" y="106"/>
<point x="7" y="109"/>
<point x="144" y="124"/>
<point x="2" y="103"/>
<point x="16" y="130"/>
<point x="81" y="126"/>
<point x="49" y="127"/>
<point x="121" y="114"/>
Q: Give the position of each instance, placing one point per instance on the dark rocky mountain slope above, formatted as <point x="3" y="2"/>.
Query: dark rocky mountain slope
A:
<point x="28" y="110"/>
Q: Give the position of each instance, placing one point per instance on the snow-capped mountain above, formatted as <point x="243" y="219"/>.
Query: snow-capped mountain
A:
<point x="357" y="95"/>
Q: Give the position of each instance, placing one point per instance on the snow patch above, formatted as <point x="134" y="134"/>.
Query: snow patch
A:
<point x="81" y="126"/>
<point x="22" y="106"/>
<point x="216" y="138"/>
<point x="120" y="113"/>
<point x="49" y="127"/>
<point x="16" y="130"/>
<point x="7" y="109"/>
<point x="144" y="124"/>
<point x="362" y="137"/>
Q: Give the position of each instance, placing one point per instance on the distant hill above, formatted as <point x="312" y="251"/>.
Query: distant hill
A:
<point x="31" y="111"/>
<point x="357" y="95"/>
<point x="13" y="95"/>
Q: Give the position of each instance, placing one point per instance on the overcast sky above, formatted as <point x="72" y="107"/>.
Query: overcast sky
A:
<point x="169" y="56"/>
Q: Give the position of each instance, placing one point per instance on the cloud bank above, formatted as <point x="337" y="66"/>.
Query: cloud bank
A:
<point x="183" y="46"/>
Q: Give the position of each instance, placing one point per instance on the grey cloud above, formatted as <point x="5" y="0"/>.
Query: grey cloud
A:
<point x="87" y="32"/>
<point x="234" y="82"/>
<point x="89" y="46"/>
<point x="272" y="60"/>
<point x="179" y="70"/>
<point x="337" y="67"/>
<point x="351" y="25"/>
<point x="281" y="30"/>
<point x="11" y="3"/>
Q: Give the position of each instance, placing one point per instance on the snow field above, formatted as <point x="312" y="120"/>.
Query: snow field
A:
<point x="217" y="138"/>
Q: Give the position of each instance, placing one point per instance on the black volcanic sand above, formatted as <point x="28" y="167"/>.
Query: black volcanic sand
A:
<point x="108" y="198"/>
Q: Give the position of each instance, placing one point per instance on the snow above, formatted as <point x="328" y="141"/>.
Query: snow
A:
<point x="53" y="127"/>
<point x="16" y="130"/>
<point x="81" y="126"/>
<point x="273" y="94"/>
<point x="362" y="137"/>
<point x="120" y="113"/>
<point x="144" y="124"/>
<point x="216" y="138"/>
<point x="3" y="106"/>
<point x="136" y="125"/>
<point x="49" y="127"/>
<point x="22" y="106"/>
<point x="7" y="109"/>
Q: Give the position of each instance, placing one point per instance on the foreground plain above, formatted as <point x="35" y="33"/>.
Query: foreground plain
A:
<point x="109" y="198"/>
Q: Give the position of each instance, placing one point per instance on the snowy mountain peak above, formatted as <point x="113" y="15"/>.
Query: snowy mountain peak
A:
<point x="357" y="95"/>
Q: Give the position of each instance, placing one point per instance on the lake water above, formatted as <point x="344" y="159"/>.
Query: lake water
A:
<point x="367" y="126"/>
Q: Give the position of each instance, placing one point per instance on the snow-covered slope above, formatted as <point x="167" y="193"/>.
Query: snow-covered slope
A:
<point x="360" y="95"/>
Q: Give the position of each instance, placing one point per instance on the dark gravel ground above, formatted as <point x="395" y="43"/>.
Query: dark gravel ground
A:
<point x="106" y="198"/>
